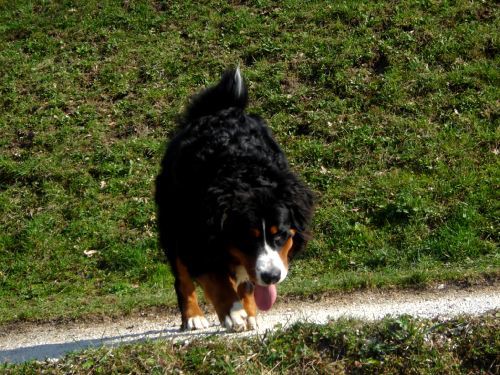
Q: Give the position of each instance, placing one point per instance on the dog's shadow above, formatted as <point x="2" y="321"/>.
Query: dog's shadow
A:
<point x="56" y="351"/>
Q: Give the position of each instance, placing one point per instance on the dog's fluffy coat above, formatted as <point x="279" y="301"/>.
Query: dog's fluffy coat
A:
<point x="230" y="211"/>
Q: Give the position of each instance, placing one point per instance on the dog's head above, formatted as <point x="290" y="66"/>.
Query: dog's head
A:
<point x="266" y="227"/>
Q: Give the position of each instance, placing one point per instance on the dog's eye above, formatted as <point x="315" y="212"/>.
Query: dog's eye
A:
<point x="281" y="236"/>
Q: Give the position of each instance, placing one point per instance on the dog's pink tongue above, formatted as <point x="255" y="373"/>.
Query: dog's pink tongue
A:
<point x="265" y="296"/>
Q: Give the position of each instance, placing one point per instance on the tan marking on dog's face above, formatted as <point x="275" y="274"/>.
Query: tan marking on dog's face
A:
<point x="255" y="233"/>
<point x="285" y="249"/>
<point x="273" y="230"/>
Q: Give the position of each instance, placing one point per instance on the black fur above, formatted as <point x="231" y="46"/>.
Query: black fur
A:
<point x="222" y="174"/>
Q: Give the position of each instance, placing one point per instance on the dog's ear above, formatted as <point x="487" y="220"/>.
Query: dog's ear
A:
<point x="300" y="203"/>
<point x="222" y="205"/>
<point x="219" y="213"/>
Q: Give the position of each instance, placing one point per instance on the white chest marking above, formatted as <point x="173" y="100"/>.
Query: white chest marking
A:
<point x="241" y="275"/>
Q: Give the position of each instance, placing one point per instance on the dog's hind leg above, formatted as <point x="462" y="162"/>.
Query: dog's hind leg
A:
<point x="192" y="316"/>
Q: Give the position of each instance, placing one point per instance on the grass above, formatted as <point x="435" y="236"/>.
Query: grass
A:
<point x="388" y="111"/>
<point x="393" y="345"/>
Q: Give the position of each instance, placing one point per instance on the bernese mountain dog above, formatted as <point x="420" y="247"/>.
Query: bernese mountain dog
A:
<point x="231" y="213"/>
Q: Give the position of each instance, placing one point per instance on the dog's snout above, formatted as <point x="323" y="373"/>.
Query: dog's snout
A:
<point x="271" y="277"/>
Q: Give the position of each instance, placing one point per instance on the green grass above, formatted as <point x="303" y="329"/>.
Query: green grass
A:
<point x="388" y="111"/>
<point x="394" y="345"/>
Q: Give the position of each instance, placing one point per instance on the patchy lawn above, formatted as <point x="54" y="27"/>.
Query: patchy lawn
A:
<point x="388" y="111"/>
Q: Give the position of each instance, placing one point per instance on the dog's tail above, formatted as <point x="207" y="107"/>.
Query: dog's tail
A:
<point x="229" y="92"/>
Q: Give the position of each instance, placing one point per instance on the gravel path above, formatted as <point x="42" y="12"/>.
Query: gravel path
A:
<point x="28" y="341"/>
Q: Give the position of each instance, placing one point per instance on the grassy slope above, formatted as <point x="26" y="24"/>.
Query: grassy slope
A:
<point x="389" y="112"/>
<point x="392" y="346"/>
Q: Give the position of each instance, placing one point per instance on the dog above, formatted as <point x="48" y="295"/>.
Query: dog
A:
<point x="231" y="213"/>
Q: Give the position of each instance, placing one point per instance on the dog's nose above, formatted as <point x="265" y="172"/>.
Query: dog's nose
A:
<point x="271" y="277"/>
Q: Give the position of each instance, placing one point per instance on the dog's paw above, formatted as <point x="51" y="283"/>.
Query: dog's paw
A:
<point x="238" y="320"/>
<point x="252" y="323"/>
<point x="197" y="322"/>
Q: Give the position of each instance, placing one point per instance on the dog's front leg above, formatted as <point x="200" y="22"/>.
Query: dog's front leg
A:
<point x="245" y="292"/>
<point x="219" y="290"/>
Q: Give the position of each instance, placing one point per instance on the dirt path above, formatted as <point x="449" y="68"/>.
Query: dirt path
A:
<point x="28" y="341"/>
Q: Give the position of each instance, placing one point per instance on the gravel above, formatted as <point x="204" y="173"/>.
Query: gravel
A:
<point x="52" y="341"/>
